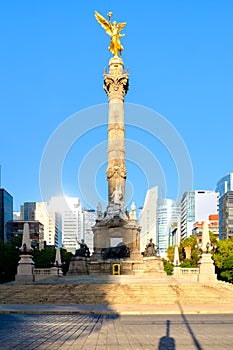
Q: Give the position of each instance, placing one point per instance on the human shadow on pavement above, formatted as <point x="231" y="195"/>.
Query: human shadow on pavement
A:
<point x="166" y="342"/>
<point x="195" y="341"/>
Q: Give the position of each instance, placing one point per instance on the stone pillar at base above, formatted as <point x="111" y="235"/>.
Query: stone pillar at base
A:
<point x="25" y="269"/>
<point x="79" y="266"/>
<point x="206" y="269"/>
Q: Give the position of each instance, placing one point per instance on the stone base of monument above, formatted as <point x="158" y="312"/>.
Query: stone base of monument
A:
<point x="116" y="232"/>
<point x="206" y="269"/>
<point x="116" y="241"/>
<point x="79" y="266"/>
<point x="146" y="266"/>
<point x="25" y="269"/>
<point x="56" y="271"/>
<point x="153" y="264"/>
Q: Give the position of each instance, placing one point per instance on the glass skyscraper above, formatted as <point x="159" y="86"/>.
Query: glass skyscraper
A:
<point x="29" y="210"/>
<point x="197" y="206"/>
<point x="6" y="212"/>
<point x="225" y="184"/>
<point x="225" y="187"/>
<point x="226" y="215"/>
<point x="168" y="212"/>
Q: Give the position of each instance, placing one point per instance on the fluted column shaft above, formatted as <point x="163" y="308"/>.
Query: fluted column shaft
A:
<point x="116" y="86"/>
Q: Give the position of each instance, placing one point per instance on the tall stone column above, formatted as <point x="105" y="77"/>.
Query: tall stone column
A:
<point x="116" y="86"/>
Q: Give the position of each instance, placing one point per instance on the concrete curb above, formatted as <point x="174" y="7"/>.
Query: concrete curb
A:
<point x="118" y="309"/>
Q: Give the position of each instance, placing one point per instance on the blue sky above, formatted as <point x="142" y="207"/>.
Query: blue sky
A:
<point x="179" y="54"/>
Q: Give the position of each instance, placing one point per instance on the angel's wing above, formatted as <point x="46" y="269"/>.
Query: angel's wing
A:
<point x="121" y="25"/>
<point x="104" y="23"/>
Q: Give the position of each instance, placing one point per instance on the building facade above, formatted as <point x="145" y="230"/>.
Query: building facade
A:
<point x="36" y="230"/>
<point x="148" y="218"/>
<point x="213" y="223"/>
<point x="28" y="210"/>
<point x="52" y="224"/>
<point x="70" y="210"/>
<point x="226" y="215"/>
<point x="225" y="184"/>
<point x="89" y="220"/>
<point x="6" y="212"/>
<point x="197" y="206"/>
<point x="168" y="213"/>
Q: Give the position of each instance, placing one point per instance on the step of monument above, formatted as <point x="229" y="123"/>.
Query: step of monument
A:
<point x="115" y="293"/>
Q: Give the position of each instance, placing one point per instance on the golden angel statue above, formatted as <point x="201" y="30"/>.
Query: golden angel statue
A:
<point x="113" y="29"/>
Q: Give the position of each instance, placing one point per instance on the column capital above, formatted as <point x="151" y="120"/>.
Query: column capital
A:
<point x="116" y="82"/>
<point x="116" y="86"/>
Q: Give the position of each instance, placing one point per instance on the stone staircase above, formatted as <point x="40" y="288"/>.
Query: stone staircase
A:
<point x="115" y="291"/>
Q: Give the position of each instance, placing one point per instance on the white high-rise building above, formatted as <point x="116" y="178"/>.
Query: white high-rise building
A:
<point x="51" y="221"/>
<point x="168" y="213"/>
<point x="89" y="219"/>
<point x="72" y="220"/>
<point x="17" y="216"/>
<point x="197" y="206"/>
<point x="148" y="218"/>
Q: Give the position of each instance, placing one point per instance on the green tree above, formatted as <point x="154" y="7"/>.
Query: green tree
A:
<point x="170" y="253"/>
<point x="9" y="258"/>
<point x="65" y="258"/>
<point x="223" y="259"/>
<point x="195" y="253"/>
<point x="213" y="239"/>
<point x="168" y="267"/>
<point x="45" y="258"/>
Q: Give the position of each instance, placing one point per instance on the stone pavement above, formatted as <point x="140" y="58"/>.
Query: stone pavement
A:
<point x="113" y="332"/>
<point x="173" y="322"/>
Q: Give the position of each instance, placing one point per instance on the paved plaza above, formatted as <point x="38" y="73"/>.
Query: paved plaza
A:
<point x="111" y="332"/>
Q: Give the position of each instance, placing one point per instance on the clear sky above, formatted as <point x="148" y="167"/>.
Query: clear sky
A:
<point x="180" y="59"/>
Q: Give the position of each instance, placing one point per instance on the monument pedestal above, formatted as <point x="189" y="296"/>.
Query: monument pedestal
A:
<point x="25" y="269"/>
<point x="79" y="266"/>
<point x="206" y="269"/>
<point x="56" y="271"/>
<point x="114" y="232"/>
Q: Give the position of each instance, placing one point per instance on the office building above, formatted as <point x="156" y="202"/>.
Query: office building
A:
<point x="148" y="218"/>
<point x="213" y="224"/>
<point x="225" y="184"/>
<point x="89" y="220"/>
<point x="17" y="215"/>
<point x="70" y="210"/>
<point x="52" y="223"/>
<point x="168" y="213"/>
<point x="196" y="206"/>
<point x="226" y="215"/>
<point x="28" y="210"/>
<point x="6" y="212"/>
<point x="36" y="230"/>
<point x="174" y="233"/>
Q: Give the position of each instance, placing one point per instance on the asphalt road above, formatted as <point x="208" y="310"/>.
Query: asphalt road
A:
<point x="110" y="332"/>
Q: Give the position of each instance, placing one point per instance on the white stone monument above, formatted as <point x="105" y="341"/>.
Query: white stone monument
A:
<point x="206" y="264"/>
<point x="25" y="270"/>
<point x="57" y="270"/>
<point x="176" y="261"/>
